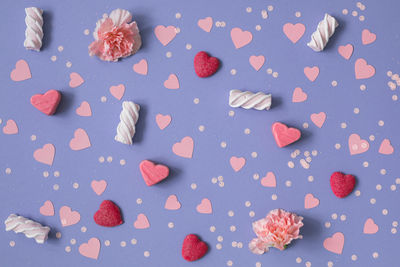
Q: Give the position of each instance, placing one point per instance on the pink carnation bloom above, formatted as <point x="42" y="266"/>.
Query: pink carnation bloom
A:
<point x="115" y="37"/>
<point x="277" y="230"/>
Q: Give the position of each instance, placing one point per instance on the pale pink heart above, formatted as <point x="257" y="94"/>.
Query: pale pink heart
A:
<point x="240" y="38"/>
<point x="47" y="209"/>
<point x="205" y="24"/>
<point x="335" y="243"/>
<point x="69" y="217"/>
<point x="80" y="141"/>
<point x="318" y="119"/>
<point x="75" y="80"/>
<point x="91" y="249"/>
<point x="357" y="145"/>
<point x="172" y="203"/>
<point x="294" y="32"/>
<point x="45" y="154"/>
<point x="163" y="121"/>
<point x="165" y="34"/>
<point x="299" y="95"/>
<point x="205" y="206"/>
<point x="386" y="147"/>
<point x="84" y="109"/>
<point x="363" y="70"/>
<point x="172" y="82"/>
<point x="310" y="201"/>
<point x="141" y="67"/>
<point x="184" y="148"/>
<point x="269" y="180"/>
<point x="370" y="227"/>
<point x="98" y="186"/>
<point x="141" y="222"/>
<point x="346" y="51"/>
<point x="311" y="73"/>
<point x="237" y="163"/>
<point x="117" y="91"/>
<point x="10" y="127"/>
<point x="257" y="62"/>
<point x="21" y="72"/>
<point x="367" y="37"/>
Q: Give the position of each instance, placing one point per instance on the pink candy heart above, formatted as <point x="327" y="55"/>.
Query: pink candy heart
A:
<point x="80" y="140"/>
<point x="205" y="24"/>
<point x="153" y="173"/>
<point x="318" y="119"/>
<point x="269" y="180"/>
<point x="141" y="67"/>
<point x="310" y="201"/>
<point x="363" y="70"/>
<point x="370" y="227"/>
<point x="21" y="72"/>
<point x="47" y="209"/>
<point x="367" y="37"/>
<point x="311" y="73"/>
<point x="98" y="186"/>
<point x="10" y="127"/>
<point x="240" y="38"/>
<point x="357" y="145"/>
<point x="165" y="34"/>
<point x="237" y="163"/>
<point x="172" y="82"/>
<point x="184" y="148"/>
<point x="141" y="222"/>
<point x="91" y="249"/>
<point x="299" y="95"/>
<point x="294" y="32"/>
<point x="68" y="217"/>
<point x="117" y="91"/>
<point x="163" y="121"/>
<point x="84" y="109"/>
<point x="257" y="62"/>
<point x="45" y="154"/>
<point x="386" y="147"/>
<point x="204" y="207"/>
<point x="335" y="243"/>
<point x="75" y="80"/>
<point x="172" y="203"/>
<point x="283" y="135"/>
<point x="346" y="51"/>
<point x="47" y="102"/>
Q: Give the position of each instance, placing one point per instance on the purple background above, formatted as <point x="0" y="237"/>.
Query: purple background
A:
<point x="25" y="189"/>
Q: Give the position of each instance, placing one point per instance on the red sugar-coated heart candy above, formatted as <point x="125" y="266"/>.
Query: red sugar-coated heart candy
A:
<point x="342" y="185"/>
<point x="192" y="248"/>
<point x="48" y="102"/>
<point x="153" y="173"/>
<point x="204" y="65"/>
<point x="108" y="214"/>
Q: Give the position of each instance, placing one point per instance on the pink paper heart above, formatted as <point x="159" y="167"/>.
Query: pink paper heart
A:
<point x="163" y="121"/>
<point x="165" y="34"/>
<point x="257" y="62"/>
<point x="204" y="207"/>
<point x="370" y="227"/>
<point x="117" y="91"/>
<point x="184" y="148"/>
<point x="80" y="141"/>
<point x="367" y="37"/>
<point x="141" y="67"/>
<point x="205" y="24"/>
<point x="75" y="80"/>
<point x="91" y="249"/>
<point x="318" y="119"/>
<point x="172" y="203"/>
<point x="311" y="73"/>
<point x="269" y="180"/>
<point x="240" y="38"/>
<point x="310" y="201"/>
<point x="98" y="186"/>
<point x="346" y="51"/>
<point x="141" y="222"/>
<point x="335" y="243"/>
<point x="299" y="95"/>
<point x="172" y="82"/>
<point x="237" y="163"/>
<point x="386" y="147"/>
<point x="45" y="154"/>
<point x="10" y="127"/>
<point x="294" y="32"/>
<point x="84" y="109"/>
<point x="47" y="209"/>
<point x="363" y="70"/>
<point x="21" y="72"/>
<point x="357" y="145"/>
<point x="68" y="217"/>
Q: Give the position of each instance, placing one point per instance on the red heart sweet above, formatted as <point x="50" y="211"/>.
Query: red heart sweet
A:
<point x="204" y="65"/>
<point x="283" y="135"/>
<point x="153" y="173"/>
<point x="341" y="184"/>
<point x="108" y="214"/>
<point x="48" y="102"/>
<point x="192" y="248"/>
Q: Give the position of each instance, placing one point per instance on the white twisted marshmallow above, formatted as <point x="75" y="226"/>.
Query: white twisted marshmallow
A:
<point x="326" y="28"/>
<point x="248" y="100"/>
<point x="34" y="30"/>
<point x="28" y="227"/>
<point x="128" y="118"/>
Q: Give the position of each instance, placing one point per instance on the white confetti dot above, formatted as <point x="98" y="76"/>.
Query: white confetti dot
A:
<point x="247" y="131"/>
<point x="254" y="154"/>
<point x="290" y="164"/>
<point x="361" y="18"/>
<point x="394" y="97"/>
<point x="395" y="223"/>
<point x="337" y="146"/>
<point x="356" y="110"/>
<point x="122" y="162"/>
<point x="123" y="244"/>
<point x="252" y="213"/>
<point x="193" y="186"/>
<point x="345" y="11"/>
<point x="274" y="197"/>
<point x="310" y="178"/>
<point x="375" y="255"/>
<point x="393" y="187"/>
<point x="297" y="14"/>
<point x="60" y="48"/>
<point x="258" y="264"/>
<point x="354" y="257"/>
<point x="202" y="128"/>
<point x="343" y="125"/>
<point x="256" y="176"/>
<point x="133" y="241"/>
<point x="249" y="9"/>
<point x="221" y="184"/>
<point x="139" y="201"/>
<point x="86" y="32"/>
<point x="378" y="187"/>
<point x="330" y="264"/>
<point x="220" y="238"/>
<point x="73" y="241"/>
<point x="327" y="224"/>
<point x="231" y="113"/>
<point x="269" y="71"/>
<point x="393" y="230"/>
<point x="389" y="73"/>
<point x="231" y="213"/>
<point x="363" y="87"/>
<point x="270" y="8"/>
<point x="357" y="193"/>
<point x="229" y="263"/>
<point x="83" y="229"/>
<point x="214" y="180"/>
<point x="56" y="174"/>
<point x="385" y="212"/>
<point x="68" y="64"/>
<point x="354" y="13"/>
<point x="212" y="229"/>
<point x="372" y="201"/>
<point x="308" y="159"/>
<point x="217" y="24"/>
<point x="233" y="71"/>
<point x="334" y="83"/>
<point x="67" y="249"/>
<point x="8" y="171"/>
<point x="308" y="264"/>
<point x="56" y="187"/>
<point x="178" y="15"/>
<point x="107" y="243"/>
<point x="101" y="159"/>
<point x="58" y="235"/>
<point x="223" y="144"/>
<point x="218" y="246"/>
<point x="75" y="185"/>
<point x="275" y="74"/>
<point x="381" y="123"/>
<point x="298" y="260"/>
<point x="168" y="54"/>
<point x="247" y="204"/>
<point x="232" y="228"/>
<point x="109" y="159"/>
<point x="53" y="58"/>
<point x="196" y="101"/>
<point x="188" y="46"/>
<point x="264" y="14"/>
<point x="342" y="217"/>
<point x="371" y="137"/>
<point x="365" y="164"/>
<point x="383" y="171"/>
<point x="258" y="27"/>
<point x="103" y="99"/>
<point x="334" y="216"/>
<point x="397" y="180"/>
<point x="305" y="125"/>
<point x="146" y="254"/>
<point x="234" y="244"/>
<point x="33" y="137"/>
<point x="288" y="183"/>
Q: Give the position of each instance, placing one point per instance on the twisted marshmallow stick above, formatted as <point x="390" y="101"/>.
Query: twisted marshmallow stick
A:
<point x="28" y="227"/>
<point x="248" y="100"/>
<point x="128" y="118"/>
<point x="326" y="28"/>
<point x="34" y="30"/>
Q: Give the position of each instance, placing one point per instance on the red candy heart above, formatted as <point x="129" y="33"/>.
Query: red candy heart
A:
<point x="192" y="248"/>
<point x="283" y="135"/>
<point x="204" y="65"/>
<point x="108" y="214"/>
<point x="342" y="185"/>
<point x="48" y="102"/>
<point x="153" y="173"/>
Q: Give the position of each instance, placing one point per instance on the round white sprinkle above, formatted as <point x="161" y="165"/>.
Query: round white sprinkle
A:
<point x="133" y="241"/>
<point x="334" y="216"/>
<point x="385" y="212"/>
<point x="252" y="213"/>
<point x="146" y="254"/>
<point x="53" y="58"/>
<point x="83" y="229"/>
<point x="86" y="32"/>
<point x="327" y="224"/>
<point x="218" y="246"/>
<point x="233" y="71"/>
<point x="171" y="225"/>
<point x="122" y="162"/>
<point x="375" y="255"/>
<point x="68" y="64"/>
<point x="274" y="197"/>
<point x="107" y="243"/>
<point x="193" y="186"/>
<point x="232" y="228"/>
<point x="372" y="201"/>
<point x="212" y="229"/>
<point x="298" y="260"/>
<point x="188" y="46"/>
<point x="67" y="249"/>
<point x="247" y="204"/>
<point x="139" y="201"/>
<point x="178" y="15"/>
<point x="123" y="244"/>
<point x="58" y="235"/>
<point x="196" y="101"/>
<point x="231" y="213"/>
<point x="354" y="257"/>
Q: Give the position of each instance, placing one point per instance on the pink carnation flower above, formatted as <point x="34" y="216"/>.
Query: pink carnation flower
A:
<point x="115" y="37"/>
<point x="277" y="230"/>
